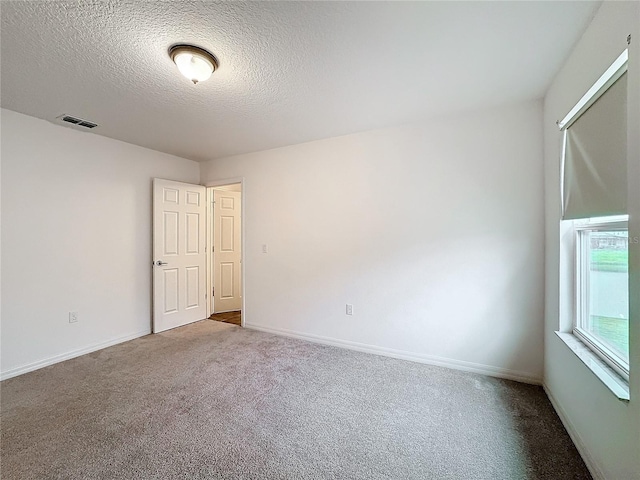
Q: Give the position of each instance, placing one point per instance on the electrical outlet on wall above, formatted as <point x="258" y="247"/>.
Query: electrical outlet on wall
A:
<point x="73" y="317"/>
<point x="349" y="309"/>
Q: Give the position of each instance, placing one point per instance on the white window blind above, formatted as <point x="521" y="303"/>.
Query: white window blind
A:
<point x="595" y="158"/>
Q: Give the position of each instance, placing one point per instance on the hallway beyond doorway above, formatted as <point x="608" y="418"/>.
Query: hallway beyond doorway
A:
<point x="228" y="317"/>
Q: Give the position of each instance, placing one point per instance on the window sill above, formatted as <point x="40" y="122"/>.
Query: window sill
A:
<point x="614" y="382"/>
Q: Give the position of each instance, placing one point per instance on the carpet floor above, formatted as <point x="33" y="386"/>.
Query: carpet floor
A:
<point x="214" y="401"/>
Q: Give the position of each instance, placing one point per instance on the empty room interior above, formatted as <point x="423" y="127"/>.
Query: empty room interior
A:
<point x="327" y="240"/>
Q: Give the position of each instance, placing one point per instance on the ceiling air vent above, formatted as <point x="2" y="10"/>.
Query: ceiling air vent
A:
<point x="78" y="122"/>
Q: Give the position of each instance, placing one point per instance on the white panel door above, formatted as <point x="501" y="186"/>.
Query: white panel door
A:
<point x="226" y="251"/>
<point x="179" y="258"/>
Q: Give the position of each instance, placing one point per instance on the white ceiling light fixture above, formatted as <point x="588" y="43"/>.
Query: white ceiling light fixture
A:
<point x="195" y="63"/>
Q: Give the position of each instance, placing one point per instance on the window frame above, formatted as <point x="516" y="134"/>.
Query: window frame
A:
<point x="581" y="293"/>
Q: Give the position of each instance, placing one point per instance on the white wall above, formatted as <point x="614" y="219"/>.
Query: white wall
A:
<point x="606" y="430"/>
<point x="434" y="232"/>
<point x="76" y="236"/>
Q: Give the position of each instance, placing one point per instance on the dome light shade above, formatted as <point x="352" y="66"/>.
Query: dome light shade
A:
<point x="195" y="63"/>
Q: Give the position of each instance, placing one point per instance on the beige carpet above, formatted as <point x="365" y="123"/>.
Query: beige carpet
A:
<point x="214" y="401"/>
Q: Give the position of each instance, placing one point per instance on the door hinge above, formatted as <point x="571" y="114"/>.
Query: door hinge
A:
<point x="213" y="292"/>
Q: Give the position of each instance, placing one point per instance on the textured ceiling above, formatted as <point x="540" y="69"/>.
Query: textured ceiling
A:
<point x="289" y="72"/>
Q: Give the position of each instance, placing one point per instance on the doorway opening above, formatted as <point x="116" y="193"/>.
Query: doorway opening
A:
<point x="224" y="262"/>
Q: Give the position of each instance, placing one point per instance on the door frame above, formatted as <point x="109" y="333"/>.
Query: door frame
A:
<point x="209" y="240"/>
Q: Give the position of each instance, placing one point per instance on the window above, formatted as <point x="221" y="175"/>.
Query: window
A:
<point x="602" y="289"/>
<point x="594" y="208"/>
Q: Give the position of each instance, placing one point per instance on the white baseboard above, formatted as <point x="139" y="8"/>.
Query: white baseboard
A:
<point x="404" y="355"/>
<point x="29" y="367"/>
<point x="594" y="469"/>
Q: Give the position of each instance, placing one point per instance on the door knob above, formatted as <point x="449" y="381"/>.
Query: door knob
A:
<point x="160" y="263"/>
